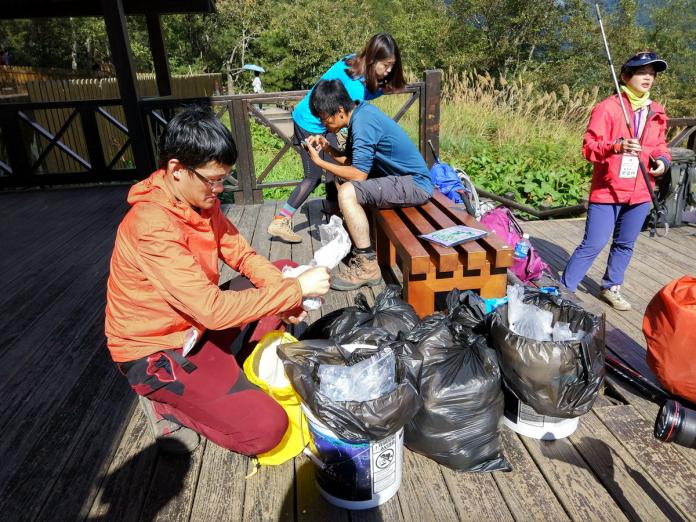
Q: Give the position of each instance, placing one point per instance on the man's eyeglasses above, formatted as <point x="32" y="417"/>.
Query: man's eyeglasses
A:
<point x="212" y="183"/>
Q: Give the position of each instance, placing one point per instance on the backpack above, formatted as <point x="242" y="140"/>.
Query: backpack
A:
<point x="671" y="338"/>
<point x="504" y="224"/>
<point x="446" y="180"/>
<point x="676" y="189"/>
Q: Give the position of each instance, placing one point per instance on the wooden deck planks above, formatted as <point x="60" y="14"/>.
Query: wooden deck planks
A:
<point x="525" y="490"/>
<point x="220" y="491"/>
<point x="663" y="462"/>
<point x="93" y="456"/>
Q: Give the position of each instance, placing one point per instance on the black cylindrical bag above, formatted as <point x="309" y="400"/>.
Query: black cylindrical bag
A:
<point x="556" y="378"/>
<point x="351" y="420"/>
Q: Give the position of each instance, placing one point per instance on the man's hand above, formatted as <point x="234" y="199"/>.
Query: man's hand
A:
<point x="295" y="316"/>
<point x="316" y="144"/>
<point x="658" y="169"/>
<point x="314" y="282"/>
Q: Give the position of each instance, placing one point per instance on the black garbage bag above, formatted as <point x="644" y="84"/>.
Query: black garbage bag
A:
<point x="351" y="420"/>
<point x="556" y="378"/>
<point x="460" y="384"/>
<point x="389" y="312"/>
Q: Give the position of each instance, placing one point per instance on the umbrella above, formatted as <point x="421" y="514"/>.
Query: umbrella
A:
<point x="253" y="67"/>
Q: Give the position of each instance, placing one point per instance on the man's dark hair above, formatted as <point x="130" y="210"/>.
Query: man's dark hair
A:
<point x="328" y="96"/>
<point x="195" y="137"/>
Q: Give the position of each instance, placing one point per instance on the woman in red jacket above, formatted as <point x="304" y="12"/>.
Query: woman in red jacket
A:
<point x="619" y="198"/>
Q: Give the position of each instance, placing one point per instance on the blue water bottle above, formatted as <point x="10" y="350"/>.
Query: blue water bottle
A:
<point x="522" y="247"/>
<point x="519" y="256"/>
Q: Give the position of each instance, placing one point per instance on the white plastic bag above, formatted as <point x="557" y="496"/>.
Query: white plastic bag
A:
<point x="336" y="244"/>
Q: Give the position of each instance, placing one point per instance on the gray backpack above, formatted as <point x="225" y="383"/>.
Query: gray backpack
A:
<point x="676" y="189"/>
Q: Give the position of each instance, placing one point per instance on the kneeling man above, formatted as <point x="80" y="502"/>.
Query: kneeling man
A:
<point x="171" y="330"/>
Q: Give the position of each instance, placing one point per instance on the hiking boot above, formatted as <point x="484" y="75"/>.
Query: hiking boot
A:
<point x="361" y="270"/>
<point x="280" y="227"/>
<point x="170" y="437"/>
<point x="614" y="298"/>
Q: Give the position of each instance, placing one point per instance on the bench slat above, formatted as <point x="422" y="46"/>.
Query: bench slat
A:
<point x="447" y="258"/>
<point x="473" y="253"/>
<point x="408" y="246"/>
<point x="492" y="242"/>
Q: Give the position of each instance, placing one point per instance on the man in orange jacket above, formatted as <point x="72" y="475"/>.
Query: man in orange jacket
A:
<point x="174" y="333"/>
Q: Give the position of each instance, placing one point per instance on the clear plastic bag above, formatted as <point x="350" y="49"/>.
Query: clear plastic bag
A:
<point x="366" y="380"/>
<point x="336" y="244"/>
<point x="528" y="320"/>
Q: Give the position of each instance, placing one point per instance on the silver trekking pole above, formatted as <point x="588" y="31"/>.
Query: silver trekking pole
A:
<point x="659" y="215"/>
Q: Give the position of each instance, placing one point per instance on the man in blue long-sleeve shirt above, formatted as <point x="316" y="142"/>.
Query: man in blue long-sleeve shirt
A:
<point x="380" y="167"/>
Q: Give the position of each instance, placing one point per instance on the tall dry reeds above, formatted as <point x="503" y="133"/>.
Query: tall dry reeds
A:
<point x="517" y="96"/>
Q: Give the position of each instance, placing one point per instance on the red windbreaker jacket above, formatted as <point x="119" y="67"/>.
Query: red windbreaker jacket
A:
<point x="605" y="127"/>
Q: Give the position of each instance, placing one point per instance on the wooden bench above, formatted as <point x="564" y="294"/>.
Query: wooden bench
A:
<point x="429" y="270"/>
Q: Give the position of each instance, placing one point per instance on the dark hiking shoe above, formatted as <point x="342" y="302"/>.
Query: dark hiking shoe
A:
<point x="170" y="437"/>
<point x="361" y="270"/>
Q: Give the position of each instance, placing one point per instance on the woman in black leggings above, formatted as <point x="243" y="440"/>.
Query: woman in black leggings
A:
<point x="366" y="76"/>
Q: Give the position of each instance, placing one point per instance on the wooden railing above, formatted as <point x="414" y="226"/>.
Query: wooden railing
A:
<point x="28" y="136"/>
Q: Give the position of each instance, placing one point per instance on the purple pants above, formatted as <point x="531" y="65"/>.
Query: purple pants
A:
<point x="626" y="222"/>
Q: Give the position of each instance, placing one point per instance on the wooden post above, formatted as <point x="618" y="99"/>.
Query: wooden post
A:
<point x="14" y="144"/>
<point x="429" y="129"/>
<point x="246" y="172"/>
<point x="159" y="53"/>
<point x="117" y="32"/>
<point x="93" y="140"/>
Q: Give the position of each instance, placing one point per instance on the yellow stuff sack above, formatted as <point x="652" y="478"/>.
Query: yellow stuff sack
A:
<point x="265" y="370"/>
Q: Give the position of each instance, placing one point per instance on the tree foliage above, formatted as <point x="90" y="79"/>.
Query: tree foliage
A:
<point x="548" y="42"/>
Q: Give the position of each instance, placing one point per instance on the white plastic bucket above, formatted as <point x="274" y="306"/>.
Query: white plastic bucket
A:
<point x="354" y="475"/>
<point x="523" y="419"/>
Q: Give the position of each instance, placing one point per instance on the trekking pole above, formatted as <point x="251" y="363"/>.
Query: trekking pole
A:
<point x="659" y="209"/>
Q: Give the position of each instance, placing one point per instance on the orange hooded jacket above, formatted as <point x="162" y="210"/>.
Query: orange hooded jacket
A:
<point x="164" y="275"/>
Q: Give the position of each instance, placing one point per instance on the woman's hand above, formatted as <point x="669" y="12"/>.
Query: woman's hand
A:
<point x="658" y="169"/>
<point x="631" y="146"/>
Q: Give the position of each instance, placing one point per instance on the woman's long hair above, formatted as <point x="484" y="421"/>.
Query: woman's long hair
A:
<point x="381" y="47"/>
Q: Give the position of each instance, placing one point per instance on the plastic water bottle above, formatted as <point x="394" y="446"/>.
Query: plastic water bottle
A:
<point x="522" y="247"/>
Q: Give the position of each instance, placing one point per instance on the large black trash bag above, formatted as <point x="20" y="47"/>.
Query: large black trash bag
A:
<point x="460" y="383"/>
<point x="355" y="421"/>
<point x="556" y="378"/>
<point x="389" y="312"/>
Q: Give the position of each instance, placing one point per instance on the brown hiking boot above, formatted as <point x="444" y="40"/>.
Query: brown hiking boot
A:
<point x="170" y="437"/>
<point x="361" y="270"/>
<point x="281" y="227"/>
<point x="615" y="299"/>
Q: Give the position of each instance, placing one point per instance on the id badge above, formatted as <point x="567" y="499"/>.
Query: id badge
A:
<point x="190" y="340"/>
<point x="629" y="166"/>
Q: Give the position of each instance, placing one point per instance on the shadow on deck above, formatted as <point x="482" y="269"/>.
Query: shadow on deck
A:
<point x="74" y="446"/>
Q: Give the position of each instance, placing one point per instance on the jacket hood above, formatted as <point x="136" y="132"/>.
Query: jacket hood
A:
<point x="153" y="189"/>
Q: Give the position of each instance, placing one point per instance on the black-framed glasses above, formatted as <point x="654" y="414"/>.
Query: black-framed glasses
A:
<point x="212" y="183"/>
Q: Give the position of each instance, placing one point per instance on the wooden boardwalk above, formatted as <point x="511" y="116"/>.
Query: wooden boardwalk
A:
<point x="74" y="446"/>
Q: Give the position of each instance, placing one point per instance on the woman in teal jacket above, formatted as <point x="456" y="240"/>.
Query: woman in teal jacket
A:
<point x="366" y="76"/>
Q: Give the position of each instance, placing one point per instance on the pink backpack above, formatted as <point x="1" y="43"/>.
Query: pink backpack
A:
<point x="503" y="223"/>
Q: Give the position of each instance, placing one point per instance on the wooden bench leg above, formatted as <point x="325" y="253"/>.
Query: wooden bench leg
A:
<point x="386" y="253"/>
<point x="420" y="295"/>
